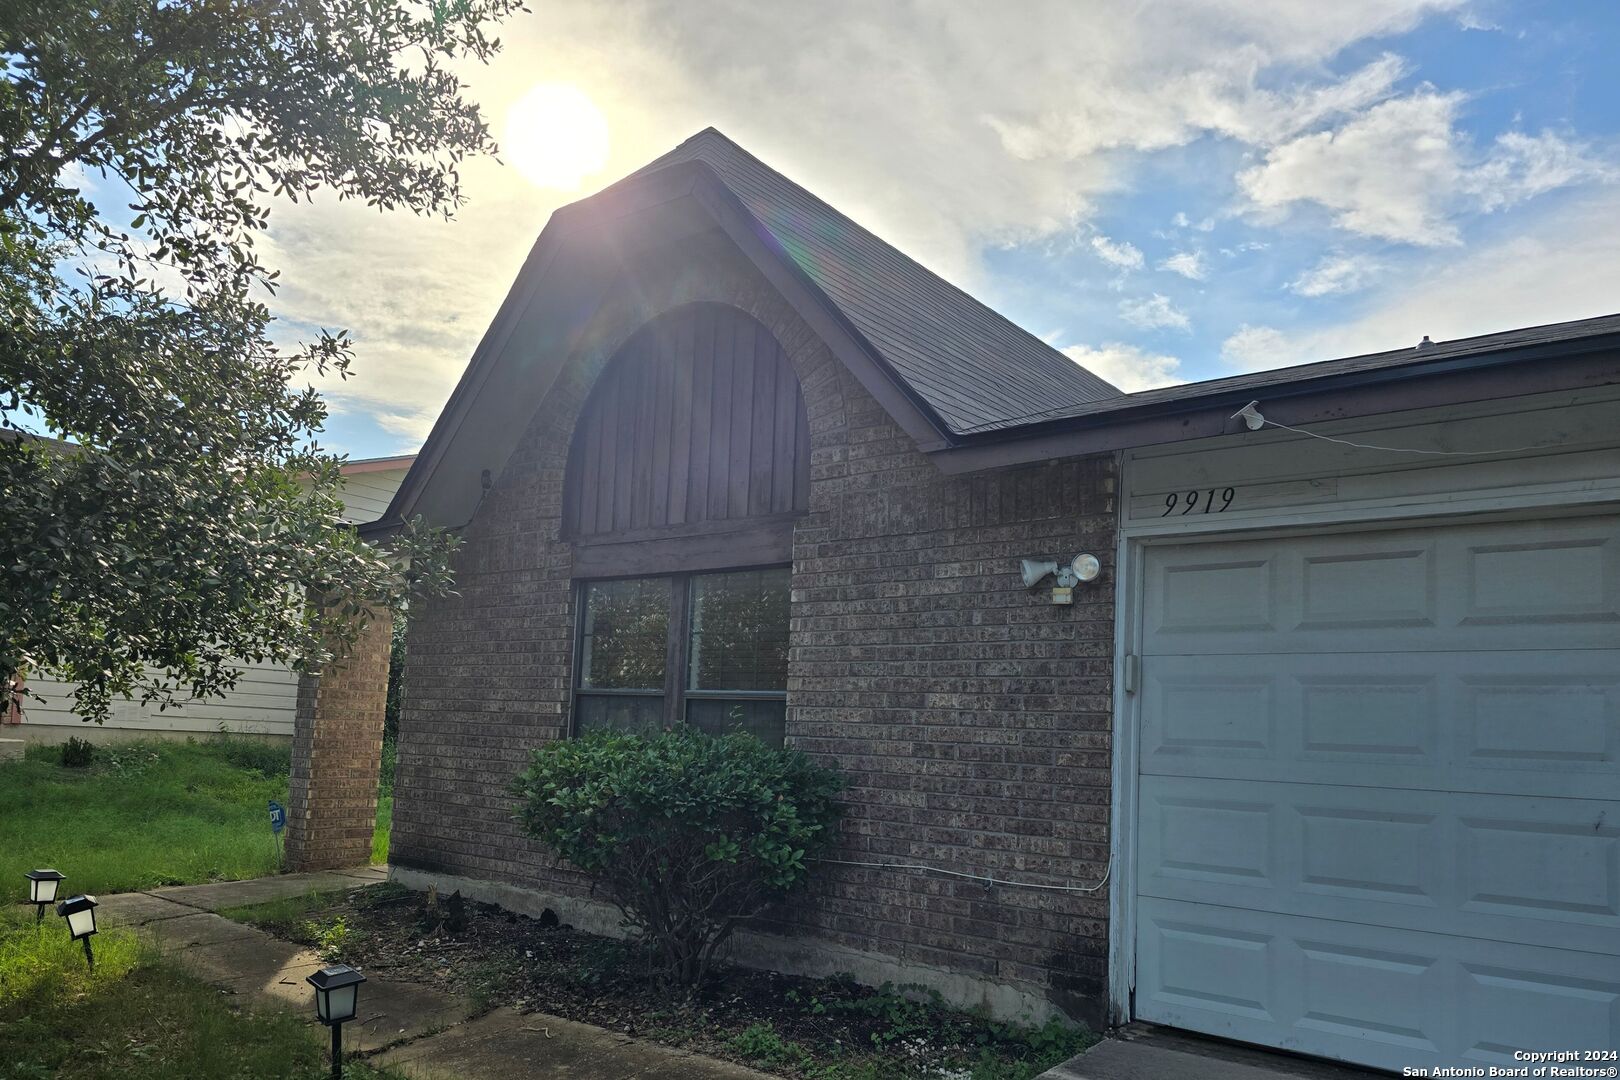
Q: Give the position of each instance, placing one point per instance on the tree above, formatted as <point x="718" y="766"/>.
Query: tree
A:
<point x="687" y="834"/>
<point x="193" y="519"/>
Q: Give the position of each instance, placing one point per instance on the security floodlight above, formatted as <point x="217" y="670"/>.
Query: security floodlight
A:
<point x="1252" y="418"/>
<point x="1035" y="571"/>
<point x="337" y="1000"/>
<point x="1085" y="567"/>
<point x="42" y="886"/>
<point x="80" y="913"/>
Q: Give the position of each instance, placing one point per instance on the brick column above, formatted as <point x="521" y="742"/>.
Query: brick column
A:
<point x="337" y="751"/>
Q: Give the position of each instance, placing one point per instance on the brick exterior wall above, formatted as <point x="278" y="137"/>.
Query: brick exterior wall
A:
<point x="336" y="754"/>
<point x="970" y="716"/>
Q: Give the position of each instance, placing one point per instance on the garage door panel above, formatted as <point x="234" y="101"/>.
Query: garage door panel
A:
<point x="1384" y="997"/>
<point x="1557" y="1003"/>
<point x="1535" y="871"/>
<point x="1378" y="808"/>
<point x="1535" y="576"/>
<point x="1479" y="587"/>
<point x="1360" y="589"/>
<point x="1536" y="723"/>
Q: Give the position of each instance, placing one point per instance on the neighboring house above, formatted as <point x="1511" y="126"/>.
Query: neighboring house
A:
<point x="262" y="702"/>
<point x="1326" y="758"/>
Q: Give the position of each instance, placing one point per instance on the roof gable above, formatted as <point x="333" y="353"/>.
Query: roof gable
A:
<point x="972" y="366"/>
<point x="937" y="360"/>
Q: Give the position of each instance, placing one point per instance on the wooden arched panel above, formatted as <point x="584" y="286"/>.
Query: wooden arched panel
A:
<point x="697" y="419"/>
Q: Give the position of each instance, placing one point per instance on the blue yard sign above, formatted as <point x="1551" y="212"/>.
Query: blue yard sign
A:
<point x="278" y="817"/>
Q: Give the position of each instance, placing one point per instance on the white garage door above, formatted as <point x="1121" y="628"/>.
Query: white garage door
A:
<point x="1379" y="809"/>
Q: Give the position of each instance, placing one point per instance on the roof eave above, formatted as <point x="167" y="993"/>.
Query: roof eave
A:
<point x="1573" y="364"/>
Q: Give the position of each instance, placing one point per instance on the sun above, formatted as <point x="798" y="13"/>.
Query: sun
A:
<point x="556" y="136"/>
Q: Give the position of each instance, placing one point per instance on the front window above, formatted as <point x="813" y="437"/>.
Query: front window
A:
<point x="623" y="650"/>
<point x="706" y="649"/>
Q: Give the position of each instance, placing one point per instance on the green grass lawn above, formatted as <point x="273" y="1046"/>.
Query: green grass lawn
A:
<point x="136" y="1017"/>
<point x="147" y="814"/>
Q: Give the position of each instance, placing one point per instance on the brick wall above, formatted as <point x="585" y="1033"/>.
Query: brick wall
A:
<point x="970" y="716"/>
<point x="337" y="751"/>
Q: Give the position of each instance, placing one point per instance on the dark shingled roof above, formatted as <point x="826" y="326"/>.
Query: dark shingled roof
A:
<point x="971" y="365"/>
<point x="1260" y="382"/>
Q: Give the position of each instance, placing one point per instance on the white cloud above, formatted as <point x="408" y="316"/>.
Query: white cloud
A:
<point x="1386" y="173"/>
<point x="1524" y="166"/>
<point x="1559" y="267"/>
<point x="1126" y="366"/>
<point x="1336" y="274"/>
<point x="942" y="167"/>
<point x="1401" y="171"/>
<point x="1241" y="249"/>
<point x="1122" y="253"/>
<point x="412" y="427"/>
<point x="1154" y="313"/>
<point x="1255" y="348"/>
<point x="1189" y="264"/>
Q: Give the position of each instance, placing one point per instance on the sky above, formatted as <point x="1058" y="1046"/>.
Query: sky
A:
<point x="1165" y="190"/>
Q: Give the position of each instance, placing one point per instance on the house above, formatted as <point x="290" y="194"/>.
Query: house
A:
<point x="265" y="696"/>
<point x="1323" y="757"/>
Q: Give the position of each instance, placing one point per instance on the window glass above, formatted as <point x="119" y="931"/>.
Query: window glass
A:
<point x="739" y="631"/>
<point x="640" y="714"/>
<point x="729" y="647"/>
<point x="625" y="638"/>
<point x="764" y="718"/>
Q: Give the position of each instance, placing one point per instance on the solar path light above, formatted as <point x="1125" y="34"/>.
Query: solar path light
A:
<point x="42" y="886"/>
<point x="337" y="999"/>
<point x="80" y="913"/>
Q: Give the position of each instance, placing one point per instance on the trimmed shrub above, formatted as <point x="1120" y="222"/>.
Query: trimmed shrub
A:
<point x="686" y="833"/>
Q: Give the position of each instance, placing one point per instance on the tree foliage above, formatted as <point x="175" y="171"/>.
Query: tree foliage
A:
<point x="194" y="519"/>
<point x="686" y="833"/>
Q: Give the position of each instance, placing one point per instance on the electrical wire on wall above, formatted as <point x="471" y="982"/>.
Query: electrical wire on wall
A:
<point x="983" y="879"/>
<point x="1252" y="418"/>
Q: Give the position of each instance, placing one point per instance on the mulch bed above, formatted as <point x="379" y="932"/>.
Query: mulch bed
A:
<point x="828" y="1029"/>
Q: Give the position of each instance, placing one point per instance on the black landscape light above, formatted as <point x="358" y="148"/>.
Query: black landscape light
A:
<point x="80" y="913"/>
<point x="42" y="886"/>
<point x="337" y="998"/>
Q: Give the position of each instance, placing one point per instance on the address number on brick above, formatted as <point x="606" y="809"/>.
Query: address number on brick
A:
<point x="1199" y="501"/>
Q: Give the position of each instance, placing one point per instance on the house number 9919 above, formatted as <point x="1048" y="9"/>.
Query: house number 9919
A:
<point x="1189" y="503"/>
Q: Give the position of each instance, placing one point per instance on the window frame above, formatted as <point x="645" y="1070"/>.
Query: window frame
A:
<point x="677" y="648"/>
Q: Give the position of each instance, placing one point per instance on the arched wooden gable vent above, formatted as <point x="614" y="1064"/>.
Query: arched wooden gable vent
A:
<point x="696" y="422"/>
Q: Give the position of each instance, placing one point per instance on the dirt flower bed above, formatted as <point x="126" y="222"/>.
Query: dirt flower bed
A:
<point x="819" y="1029"/>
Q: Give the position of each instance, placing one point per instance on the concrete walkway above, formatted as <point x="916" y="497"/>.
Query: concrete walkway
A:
<point x="423" y="1032"/>
<point x="1150" y="1052"/>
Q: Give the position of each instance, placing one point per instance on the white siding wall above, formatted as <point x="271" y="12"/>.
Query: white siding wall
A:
<point x="1279" y="478"/>
<point x="366" y="495"/>
<point x="261" y="704"/>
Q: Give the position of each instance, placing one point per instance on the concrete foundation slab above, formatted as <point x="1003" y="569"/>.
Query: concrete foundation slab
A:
<point x="197" y="928"/>
<point x="138" y="909"/>
<point x="508" y="1045"/>
<point x="226" y="894"/>
<point x="1149" y="1052"/>
<point x="257" y="967"/>
<point x="391" y="1012"/>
